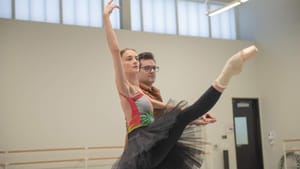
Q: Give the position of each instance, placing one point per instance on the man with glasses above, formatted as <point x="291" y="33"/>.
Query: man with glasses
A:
<point x="147" y="76"/>
<point x="192" y="135"/>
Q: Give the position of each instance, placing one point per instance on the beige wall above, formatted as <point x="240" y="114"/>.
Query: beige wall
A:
<point x="275" y="26"/>
<point x="57" y="85"/>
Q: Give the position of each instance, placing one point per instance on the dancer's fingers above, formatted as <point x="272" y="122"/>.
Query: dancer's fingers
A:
<point x="113" y="5"/>
<point x="110" y="7"/>
<point x="109" y="2"/>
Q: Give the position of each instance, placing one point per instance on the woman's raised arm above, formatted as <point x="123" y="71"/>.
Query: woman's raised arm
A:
<point x="112" y="41"/>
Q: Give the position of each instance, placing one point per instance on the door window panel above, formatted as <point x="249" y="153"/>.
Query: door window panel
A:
<point x="241" y="130"/>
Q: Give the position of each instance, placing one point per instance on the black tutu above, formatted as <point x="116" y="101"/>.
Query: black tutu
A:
<point x="152" y="148"/>
<point x="188" y="152"/>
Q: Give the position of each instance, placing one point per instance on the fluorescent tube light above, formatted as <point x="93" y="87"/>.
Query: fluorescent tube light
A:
<point x="227" y="7"/>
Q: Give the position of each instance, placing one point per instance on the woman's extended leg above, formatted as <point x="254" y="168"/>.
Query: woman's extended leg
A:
<point x="232" y="67"/>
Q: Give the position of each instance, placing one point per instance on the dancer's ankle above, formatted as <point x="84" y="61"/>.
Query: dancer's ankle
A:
<point x="218" y="86"/>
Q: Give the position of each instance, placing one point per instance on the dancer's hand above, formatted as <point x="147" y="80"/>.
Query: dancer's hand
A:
<point x="209" y="118"/>
<point x="109" y="8"/>
<point x="169" y="107"/>
<point x="205" y="119"/>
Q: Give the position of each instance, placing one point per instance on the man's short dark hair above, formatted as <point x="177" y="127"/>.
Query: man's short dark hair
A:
<point x="146" y="56"/>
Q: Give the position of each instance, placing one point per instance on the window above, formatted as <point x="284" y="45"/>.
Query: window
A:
<point x="241" y="130"/>
<point x="223" y="25"/>
<point x="135" y="16"/>
<point x="74" y="12"/>
<point x="86" y="13"/>
<point x="182" y="17"/>
<point x="5" y="9"/>
<point x="179" y="17"/>
<point x="52" y="11"/>
<point x="154" y="16"/>
<point x="37" y="10"/>
<point x="192" y="19"/>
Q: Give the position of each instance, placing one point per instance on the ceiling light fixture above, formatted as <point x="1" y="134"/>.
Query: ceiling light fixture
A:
<point x="227" y="7"/>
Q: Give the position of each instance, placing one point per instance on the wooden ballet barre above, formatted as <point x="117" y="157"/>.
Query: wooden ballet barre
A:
<point x="43" y="150"/>
<point x="62" y="149"/>
<point x="59" y="161"/>
<point x="105" y="147"/>
<point x="103" y="158"/>
<point x="291" y="140"/>
<point x="44" y="162"/>
<point x="292" y="150"/>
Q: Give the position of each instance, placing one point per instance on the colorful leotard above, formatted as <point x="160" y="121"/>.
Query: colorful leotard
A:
<point x="155" y="145"/>
<point x="142" y="112"/>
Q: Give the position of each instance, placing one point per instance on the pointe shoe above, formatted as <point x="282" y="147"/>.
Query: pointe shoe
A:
<point x="235" y="63"/>
<point x="249" y="52"/>
<point x="234" y="66"/>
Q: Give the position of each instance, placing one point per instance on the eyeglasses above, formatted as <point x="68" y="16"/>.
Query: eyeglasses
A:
<point x="150" y="68"/>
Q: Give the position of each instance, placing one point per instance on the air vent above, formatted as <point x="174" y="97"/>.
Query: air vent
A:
<point x="242" y="104"/>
